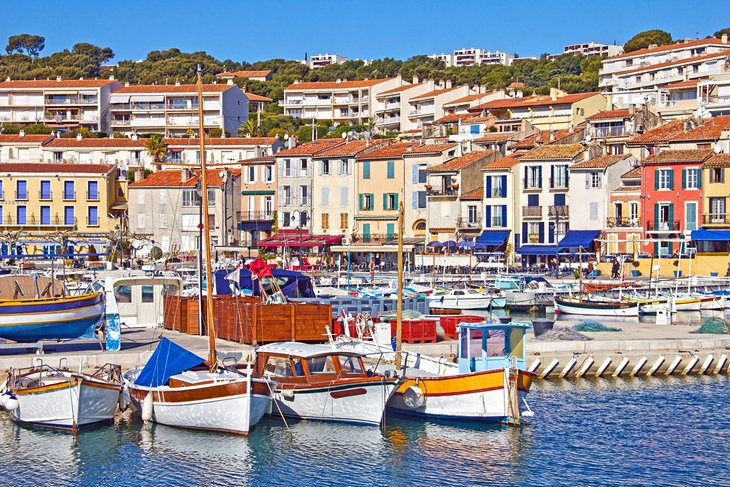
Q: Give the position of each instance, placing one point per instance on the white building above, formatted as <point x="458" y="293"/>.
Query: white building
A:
<point x="391" y="106"/>
<point x="64" y="104"/>
<point x="220" y="150"/>
<point x="22" y="147"/>
<point x="322" y="60"/>
<point x="473" y="56"/>
<point x="428" y="107"/>
<point x="591" y="49"/>
<point x="123" y="152"/>
<point x="172" y="110"/>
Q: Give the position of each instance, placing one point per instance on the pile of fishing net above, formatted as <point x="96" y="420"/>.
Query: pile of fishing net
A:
<point x="563" y="334"/>
<point x="593" y="326"/>
<point x="713" y="325"/>
<point x="408" y="314"/>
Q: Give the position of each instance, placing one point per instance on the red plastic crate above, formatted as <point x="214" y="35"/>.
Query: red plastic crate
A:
<point x="448" y="323"/>
<point x="429" y="331"/>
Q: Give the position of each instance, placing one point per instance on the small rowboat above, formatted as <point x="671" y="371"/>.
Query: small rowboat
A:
<point x="576" y="306"/>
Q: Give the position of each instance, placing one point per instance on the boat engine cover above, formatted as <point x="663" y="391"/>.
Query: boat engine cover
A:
<point x="413" y="397"/>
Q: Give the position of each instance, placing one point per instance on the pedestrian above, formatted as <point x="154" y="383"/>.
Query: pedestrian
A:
<point x="614" y="270"/>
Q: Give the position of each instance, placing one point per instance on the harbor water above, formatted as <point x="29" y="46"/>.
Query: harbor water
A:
<point x="629" y="432"/>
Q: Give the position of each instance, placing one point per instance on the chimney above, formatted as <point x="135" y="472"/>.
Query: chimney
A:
<point x="185" y="174"/>
<point x="135" y="136"/>
<point x="21" y="133"/>
<point x="79" y="137"/>
<point x="58" y="79"/>
<point x="138" y="175"/>
<point x="126" y="83"/>
<point x="723" y="39"/>
<point x="448" y="83"/>
<point x="339" y="80"/>
<point x="415" y="80"/>
<point x="431" y="85"/>
<point x="111" y="78"/>
<point x="177" y="82"/>
<point x="653" y="46"/>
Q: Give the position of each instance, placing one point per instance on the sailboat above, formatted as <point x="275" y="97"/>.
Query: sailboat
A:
<point x="178" y="388"/>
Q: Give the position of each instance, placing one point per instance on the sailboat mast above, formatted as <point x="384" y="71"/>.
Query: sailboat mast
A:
<point x="212" y="356"/>
<point x="399" y="298"/>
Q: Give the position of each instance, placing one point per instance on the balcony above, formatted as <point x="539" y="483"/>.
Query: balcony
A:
<point x="531" y="184"/>
<point x="121" y="123"/>
<point x="286" y="201"/>
<point x="182" y="106"/>
<point x="617" y="131"/>
<point x="33" y="221"/>
<point x="92" y="196"/>
<point x="21" y="196"/>
<point x="92" y="222"/>
<point x="257" y="216"/>
<point x="71" y="101"/>
<point x="448" y="191"/>
<point x="716" y="218"/>
<point x="558" y="211"/>
<point x="532" y="212"/>
<point x="389" y="121"/>
<point x="623" y="222"/>
<point x="470" y="223"/>
<point x="374" y="238"/>
<point x="662" y="226"/>
<point x="559" y="184"/>
<point x="43" y="196"/>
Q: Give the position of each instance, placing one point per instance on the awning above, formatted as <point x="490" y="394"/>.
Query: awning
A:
<point x="87" y="92"/>
<point x="493" y="237"/>
<point x="119" y="99"/>
<point x="711" y="235"/>
<point x="537" y="250"/>
<point x="370" y="248"/>
<point x="176" y="149"/>
<point x="258" y="192"/>
<point x="300" y="241"/>
<point x="266" y="226"/>
<point x="150" y="98"/>
<point x="578" y="238"/>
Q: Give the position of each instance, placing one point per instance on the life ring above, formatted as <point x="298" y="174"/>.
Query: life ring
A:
<point x="414" y="398"/>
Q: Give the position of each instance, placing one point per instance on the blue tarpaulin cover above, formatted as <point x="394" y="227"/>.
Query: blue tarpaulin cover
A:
<point x="711" y="235"/>
<point x="493" y="237"/>
<point x="578" y="238"/>
<point x="167" y="360"/>
<point x="293" y="284"/>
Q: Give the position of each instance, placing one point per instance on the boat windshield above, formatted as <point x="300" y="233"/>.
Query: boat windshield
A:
<point x="278" y="366"/>
<point x="350" y="365"/>
<point x="321" y="365"/>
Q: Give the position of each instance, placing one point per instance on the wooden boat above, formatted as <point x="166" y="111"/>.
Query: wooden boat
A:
<point x="323" y="383"/>
<point x="61" y="399"/>
<point x="467" y="299"/>
<point x="591" y="307"/>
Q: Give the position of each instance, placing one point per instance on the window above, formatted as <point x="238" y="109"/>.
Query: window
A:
<point x="472" y="216"/>
<point x="344" y="221"/>
<point x="141" y="222"/>
<point x="422" y="175"/>
<point x="390" y="201"/>
<point x="496" y="186"/>
<point x="140" y="196"/>
<point x="251" y="174"/>
<point x="148" y="294"/>
<point x="717" y="210"/>
<point x="691" y="178"/>
<point x="367" y="201"/>
<point x="268" y="206"/>
<point x="268" y="174"/>
<point x="325" y="167"/>
<point x="634" y="212"/>
<point x="325" y="221"/>
<point x="68" y="215"/>
<point x="92" y="191"/>
<point x="345" y="164"/>
<point x="287" y="168"/>
<point x="391" y="170"/>
<point x="45" y="190"/>
<point x="717" y="175"/>
<point x="593" y="211"/>
<point x="350" y="365"/>
<point x="163" y="196"/>
<point x="211" y="197"/>
<point x="616" y="150"/>
<point x="190" y="198"/>
<point x="321" y="365"/>
<point x="303" y="167"/>
<point x="21" y="215"/>
<point x="594" y="180"/>
<point x="533" y="177"/>
<point x="664" y="179"/>
<point x="163" y="220"/>
<point x="560" y="177"/>
<point x="57" y="156"/>
<point x="176" y="156"/>
<point x="366" y="170"/>
<point x="286" y="216"/>
<point x="304" y="194"/>
<point x="21" y="190"/>
<point x="422" y="200"/>
<point x="344" y="196"/>
<point x="45" y="215"/>
<point x="278" y="366"/>
<point x="690" y="218"/>
<point x="93" y="216"/>
<point x="325" y="196"/>
<point x="69" y="192"/>
<point x="496" y="215"/>
<point x="123" y="294"/>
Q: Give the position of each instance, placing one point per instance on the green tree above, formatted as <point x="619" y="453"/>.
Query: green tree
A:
<point x="647" y="38"/>
<point x="31" y="44"/>
<point x="720" y="32"/>
<point x="156" y="147"/>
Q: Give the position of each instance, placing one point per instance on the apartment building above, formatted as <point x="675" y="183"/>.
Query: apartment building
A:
<point x="624" y="227"/>
<point x="474" y="56"/>
<point x="428" y="107"/>
<point x="220" y="150"/>
<point x="165" y="208"/>
<point x="41" y="200"/>
<point x="128" y="154"/>
<point x="716" y="184"/>
<point x="258" y="200"/>
<point x="262" y="75"/>
<point x="59" y="103"/>
<point x="590" y="49"/>
<point x="613" y="128"/>
<point x="294" y="183"/>
<point x="391" y="106"/>
<point x="321" y="60"/>
<point x="501" y="222"/>
<point x="714" y="94"/>
<point x="341" y="101"/>
<point x="172" y="110"/>
<point x="22" y="147"/>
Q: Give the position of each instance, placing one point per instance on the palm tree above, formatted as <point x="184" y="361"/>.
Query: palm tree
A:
<point x="156" y="147"/>
<point x="249" y="127"/>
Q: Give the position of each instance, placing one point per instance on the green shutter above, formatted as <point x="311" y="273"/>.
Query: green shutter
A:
<point x="671" y="178"/>
<point x="360" y="199"/>
<point x="391" y="169"/>
<point x="390" y="230"/>
<point x="656" y="178"/>
<point x="372" y="201"/>
<point x="684" y="178"/>
<point x="366" y="170"/>
<point x="699" y="178"/>
<point x="396" y="201"/>
<point x="656" y="216"/>
<point x="671" y="217"/>
<point x="385" y="201"/>
<point x="366" y="229"/>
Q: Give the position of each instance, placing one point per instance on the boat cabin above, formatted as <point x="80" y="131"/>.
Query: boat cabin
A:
<point x="491" y="346"/>
<point x="292" y="363"/>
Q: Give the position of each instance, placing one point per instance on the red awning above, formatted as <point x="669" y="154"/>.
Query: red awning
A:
<point x="300" y="241"/>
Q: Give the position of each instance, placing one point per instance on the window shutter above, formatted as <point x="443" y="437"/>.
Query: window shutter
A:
<point x="684" y="178"/>
<point x="504" y="216"/>
<point x="657" y="174"/>
<point x="366" y="170"/>
<point x="372" y="201"/>
<point x="539" y="176"/>
<point x="541" y="231"/>
<point x="320" y="169"/>
<point x="722" y="175"/>
<point x="671" y="217"/>
<point x="359" y="197"/>
<point x="391" y="169"/>
<point x="699" y="178"/>
<point x="489" y="187"/>
<point x="671" y="178"/>
<point x="325" y="196"/>
<point x="414" y="201"/>
<point x="488" y="216"/>
<point x="343" y="195"/>
<point x="385" y="201"/>
<point x="396" y="201"/>
<point x="504" y="186"/>
<point x="524" y="232"/>
<point x="588" y="180"/>
<point x="552" y="176"/>
<point x="656" y="216"/>
<point x="414" y="169"/>
<point x="551" y="232"/>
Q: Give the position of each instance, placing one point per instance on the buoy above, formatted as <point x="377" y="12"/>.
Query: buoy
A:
<point x="4" y="397"/>
<point x="413" y="398"/>
<point x="148" y="408"/>
<point x="12" y="403"/>
<point x="621" y="367"/>
<point x="603" y="367"/>
<point x="123" y="400"/>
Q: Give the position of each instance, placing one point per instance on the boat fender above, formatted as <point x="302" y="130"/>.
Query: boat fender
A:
<point x="4" y="398"/>
<point x="288" y="394"/>
<point x="413" y="398"/>
<point x="11" y="403"/>
<point x="148" y="407"/>
<point x="123" y="400"/>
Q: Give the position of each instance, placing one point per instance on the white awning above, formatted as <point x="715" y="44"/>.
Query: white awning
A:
<point x="119" y="99"/>
<point x="153" y="98"/>
<point x="87" y="92"/>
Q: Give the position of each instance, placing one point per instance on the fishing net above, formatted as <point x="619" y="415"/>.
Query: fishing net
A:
<point x="408" y="314"/>
<point x="593" y="326"/>
<point x="715" y="326"/>
<point x="562" y="334"/>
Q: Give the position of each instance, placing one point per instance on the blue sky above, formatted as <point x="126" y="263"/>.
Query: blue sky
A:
<point x="262" y="29"/>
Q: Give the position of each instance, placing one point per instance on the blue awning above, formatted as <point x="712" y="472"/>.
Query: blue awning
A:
<point x="537" y="250"/>
<point x="578" y="238"/>
<point x="167" y="360"/>
<point x="263" y="226"/>
<point x="493" y="237"/>
<point x="711" y="235"/>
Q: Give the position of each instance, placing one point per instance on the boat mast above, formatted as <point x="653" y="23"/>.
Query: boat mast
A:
<point x="212" y="356"/>
<point x="399" y="298"/>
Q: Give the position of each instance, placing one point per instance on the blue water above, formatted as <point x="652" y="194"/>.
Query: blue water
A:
<point x="628" y="432"/>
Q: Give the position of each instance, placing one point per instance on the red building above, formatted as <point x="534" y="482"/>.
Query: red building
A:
<point x="672" y="197"/>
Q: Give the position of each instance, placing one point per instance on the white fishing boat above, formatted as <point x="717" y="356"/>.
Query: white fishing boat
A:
<point x="467" y="299"/>
<point x="60" y="398"/>
<point x="320" y="382"/>
<point x="594" y="307"/>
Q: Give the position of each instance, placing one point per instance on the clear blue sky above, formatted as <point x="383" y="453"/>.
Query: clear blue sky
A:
<point x="265" y="29"/>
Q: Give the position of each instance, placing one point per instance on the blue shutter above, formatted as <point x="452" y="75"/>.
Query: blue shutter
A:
<point x="488" y="193"/>
<point x="504" y="186"/>
<point x="551" y="232"/>
<point x="45" y="215"/>
<point x="414" y="168"/>
<point x="533" y="200"/>
<point x="541" y="231"/>
<point x="488" y="216"/>
<point x="414" y="200"/>
<point x="559" y="199"/>
<point x="539" y="176"/>
<point x="524" y="232"/>
<point x="504" y="216"/>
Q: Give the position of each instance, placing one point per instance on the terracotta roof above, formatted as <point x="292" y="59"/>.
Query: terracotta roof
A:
<point x="533" y="101"/>
<point x="95" y="143"/>
<point x="255" y="97"/>
<point x="467" y="99"/>
<point x="690" y="83"/>
<point x="543" y="138"/>
<point x="635" y="173"/>
<point x="172" y="178"/>
<point x="668" y="64"/>
<point x="622" y="113"/>
<point x="330" y="85"/>
<point x="515" y="84"/>
<point x="207" y="88"/>
<point x="35" y="167"/>
<point x="628" y="189"/>
<point x="395" y="150"/>
<point x="667" y="47"/>
<point x="434" y="93"/>
<point x="454" y="117"/>
<point x="398" y="89"/>
<point x="477" y="194"/>
<point x="554" y="151"/>
<point x="50" y="84"/>
<point x="217" y="141"/>
<point x="671" y="156"/>
<point x="710" y="130"/>
<point x="347" y="149"/>
<point x="25" y="139"/>
<point x="504" y="163"/>
<point x="438" y="148"/>
<point x="663" y="133"/>
<point x="310" y="148"/>
<point x="600" y="162"/>
<point x="718" y="160"/>
<point x="245" y="74"/>
<point x="259" y="160"/>
<point x="491" y="137"/>
<point x="461" y="162"/>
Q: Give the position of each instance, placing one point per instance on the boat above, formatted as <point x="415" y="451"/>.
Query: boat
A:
<point x="319" y="382"/>
<point x="466" y="299"/>
<point x="594" y="307"/>
<point x="49" y="313"/>
<point x="60" y="398"/>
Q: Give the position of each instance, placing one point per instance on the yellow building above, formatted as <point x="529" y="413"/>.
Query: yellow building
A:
<point x="41" y="204"/>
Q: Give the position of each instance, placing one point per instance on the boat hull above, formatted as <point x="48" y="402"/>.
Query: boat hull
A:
<point x="478" y="396"/>
<point x="466" y="302"/>
<point x="596" y="308"/>
<point x="360" y="402"/>
<point x="31" y="320"/>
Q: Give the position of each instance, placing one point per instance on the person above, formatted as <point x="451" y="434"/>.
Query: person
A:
<point x="614" y="270"/>
<point x="589" y="271"/>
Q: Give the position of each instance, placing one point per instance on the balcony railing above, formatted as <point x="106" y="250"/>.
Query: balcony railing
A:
<point x="662" y="226"/>
<point x="21" y="196"/>
<point x="92" y="222"/>
<point x="71" y="101"/>
<point x="558" y="211"/>
<point x="466" y="222"/>
<point x="558" y="183"/>
<point x="34" y="221"/>
<point x="44" y="196"/>
<point x="532" y="212"/>
<point x="69" y="195"/>
<point x="91" y="196"/>
<point x="444" y="192"/>
<point x="608" y="131"/>
<point x="623" y="222"/>
<point x="374" y="238"/>
<point x="257" y="216"/>
<point x="715" y="218"/>
<point x="182" y="106"/>
<point x="531" y="184"/>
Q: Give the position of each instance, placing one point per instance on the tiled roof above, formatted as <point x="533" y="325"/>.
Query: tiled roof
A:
<point x="664" y="133"/>
<point x="622" y="113"/>
<point x="434" y="93"/>
<point x="395" y="150"/>
<point x="533" y="101"/>
<point x="50" y="84"/>
<point x="310" y="148"/>
<point x="218" y="141"/>
<point x="516" y="85"/>
<point x="671" y="156"/>
<point x="554" y="151"/>
<point x="679" y="62"/>
<point x="398" y="89"/>
<point x="668" y="47"/>
<point x="718" y="160"/>
<point x="543" y="138"/>
<point x="690" y="83"/>
<point x="172" y="178"/>
<point x="454" y="117"/>
<point x="33" y="167"/>
<point x="330" y="85"/>
<point x="468" y="99"/>
<point x="710" y="130"/>
<point x="25" y="139"/>
<point x="628" y="189"/>
<point x="600" y="162"/>
<point x="95" y="143"/>
<point x="438" y="148"/>
<point x="346" y="149"/>
<point x="207" y="88"/>
<point x="255" y="97"/>
<point x="461" y="162"/>
<point x="245" y="74"/>
<point x="258" y="160"/>
<point x="477" y="194"/>
<point x="491" y="137"/>
<point x="505" y="163"/>
<point x="635" y="173"/>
